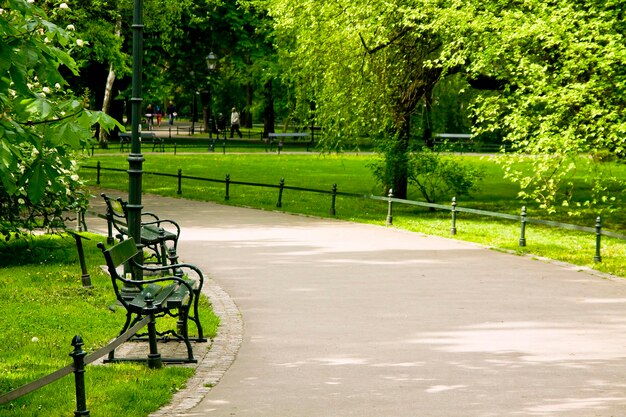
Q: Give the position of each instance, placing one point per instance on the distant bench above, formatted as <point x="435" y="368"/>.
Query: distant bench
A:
<point x="125" y="139"/>
<point x="272" y="138"/>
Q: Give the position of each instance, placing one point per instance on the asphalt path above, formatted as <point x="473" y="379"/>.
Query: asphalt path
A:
<point x="343" y="319"/>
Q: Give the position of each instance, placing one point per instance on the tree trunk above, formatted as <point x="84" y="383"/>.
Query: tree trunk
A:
<point x="246" y="117"/>
<point x="428" y="118"/>
<point x="268" y="112"/>
<point x="400" y="159"/>
<point x="108" y="90"/>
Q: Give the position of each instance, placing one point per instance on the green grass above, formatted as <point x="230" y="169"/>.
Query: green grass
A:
<point x="351" y="174"/>
<point x="43" y="306"/>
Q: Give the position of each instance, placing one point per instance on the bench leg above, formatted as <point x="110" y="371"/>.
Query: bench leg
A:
<point x="126" y="326"/>
<point x="196" y="318"/>
<point x="110" y="239"/>
<point x="172" y="256"/>
<point x="184" y="330"/>
<point x="163" y="253"/>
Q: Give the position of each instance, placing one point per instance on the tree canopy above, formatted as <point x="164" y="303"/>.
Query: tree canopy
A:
<point x="547" y="76"/>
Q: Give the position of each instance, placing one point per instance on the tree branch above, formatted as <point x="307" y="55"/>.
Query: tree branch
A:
<point x="58" y="119"/>
<point x="371" y="51"/>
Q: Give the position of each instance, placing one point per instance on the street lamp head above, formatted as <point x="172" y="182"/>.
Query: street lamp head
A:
<point x="211" y="61"/>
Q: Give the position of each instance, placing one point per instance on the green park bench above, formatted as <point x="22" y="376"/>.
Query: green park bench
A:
<point x="125" y="139"/>
<point x="173" y="296"/>
<point x="280" y="137"/>
<point x="154" y="235"/>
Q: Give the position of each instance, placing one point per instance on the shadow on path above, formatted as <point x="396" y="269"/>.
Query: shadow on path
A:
<point x="343" y="319"/>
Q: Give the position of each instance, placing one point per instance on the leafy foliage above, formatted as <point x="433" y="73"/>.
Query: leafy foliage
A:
<point x="563" y="93"/>
<point x="434" y="174"/>
<point x="437" y="175"/>
<point x="41" y="124"/>
<point x="546" y="77"/>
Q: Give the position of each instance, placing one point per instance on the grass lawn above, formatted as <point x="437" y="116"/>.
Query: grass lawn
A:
<point x="43" y="305"/>
<point x="352" y="175"/>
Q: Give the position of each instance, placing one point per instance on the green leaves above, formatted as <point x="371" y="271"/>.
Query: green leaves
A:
<point x="42" y="126"/>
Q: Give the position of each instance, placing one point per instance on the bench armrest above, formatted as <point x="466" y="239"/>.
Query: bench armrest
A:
<point x="160" y="222"/>
<point x="150" y="214"/>
<point x="176" y="279"/>
<point x="183" y="266"/>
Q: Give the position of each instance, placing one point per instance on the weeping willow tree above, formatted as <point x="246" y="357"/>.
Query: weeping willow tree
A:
<point x="366" y="66"/>
<point x="549" y="77"/>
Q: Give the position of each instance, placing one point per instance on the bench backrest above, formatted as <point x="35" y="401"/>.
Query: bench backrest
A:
<point x="119" y="254"/>
<point x="115" y="257"/>
<point x="116" y="213"/>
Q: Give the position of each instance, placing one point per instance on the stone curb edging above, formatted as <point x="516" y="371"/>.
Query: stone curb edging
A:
<point x="217" y="359"/>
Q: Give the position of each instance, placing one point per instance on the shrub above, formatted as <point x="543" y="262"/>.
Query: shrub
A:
<point x="437" y="175"/>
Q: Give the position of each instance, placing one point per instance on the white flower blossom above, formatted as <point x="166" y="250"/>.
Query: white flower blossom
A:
<point x="79" y="42"/>
<point x="46" y="90"/>
<point x="57" y="86"/>
<point x="63" y="6"/>
<point x="75" y="177"/>
<point x="35" y="339"/>
<point x="31" y="1"/>
<point x="70" y="27"/>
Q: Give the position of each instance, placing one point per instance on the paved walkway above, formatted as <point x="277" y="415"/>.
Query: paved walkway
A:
<point x="341" y="319"/>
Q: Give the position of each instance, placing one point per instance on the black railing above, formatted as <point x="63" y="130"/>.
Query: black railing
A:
<point x="523" y="218"/>
<point x="454" y="208"/>
<point x="81" y="359"/>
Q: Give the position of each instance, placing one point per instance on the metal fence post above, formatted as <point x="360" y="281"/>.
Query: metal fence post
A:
<point x="453" y="228"/>
<point x="281" y="186"/>
<point x="79" y="376"/>
<point x="227" y="196"/>
<point x="597" y="257"/>
<point x="389" y="221"/>
<point x="85" y="277"/>
<point x="333" y="200"/>
<point x="81" y="225"/>
<point x="522" y="239"/>
<point x="98" y="173"/>
<point x="180" y="182"/>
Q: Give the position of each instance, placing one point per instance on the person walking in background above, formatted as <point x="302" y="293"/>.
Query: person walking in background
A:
<point x="159" y="114"/>
<point x="150" y="116"/>
<point x="234" y="123"/>
<point x="171" y="113"/>
<point x="221" y="124"/>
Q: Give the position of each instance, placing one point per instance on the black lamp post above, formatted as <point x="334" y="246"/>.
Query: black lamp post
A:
<point x="211" y="64"/>
<point x="135" y="158"/>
